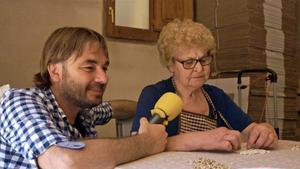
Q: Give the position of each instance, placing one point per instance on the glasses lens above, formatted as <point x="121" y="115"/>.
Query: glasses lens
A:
<point x="189" y="64"/>
<point x="205" y="60"/>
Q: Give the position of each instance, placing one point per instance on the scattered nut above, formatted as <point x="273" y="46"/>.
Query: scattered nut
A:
<point x="295" y="147"/>
<point x="205" y="163"/>
<point x="254" y="151"/>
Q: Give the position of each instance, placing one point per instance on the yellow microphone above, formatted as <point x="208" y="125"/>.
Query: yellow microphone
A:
<point x="167" y="108"/>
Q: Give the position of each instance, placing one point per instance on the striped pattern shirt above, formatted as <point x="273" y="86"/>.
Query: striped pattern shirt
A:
<point x="31" y="121"/>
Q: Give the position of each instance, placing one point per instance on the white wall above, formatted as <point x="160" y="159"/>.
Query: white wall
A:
<point x="25" y="25"/>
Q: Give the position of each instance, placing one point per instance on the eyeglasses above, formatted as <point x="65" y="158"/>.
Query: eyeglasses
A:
<point x="191" y="63"/>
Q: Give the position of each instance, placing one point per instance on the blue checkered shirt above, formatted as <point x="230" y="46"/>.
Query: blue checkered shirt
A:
<point x="31" y="121"/>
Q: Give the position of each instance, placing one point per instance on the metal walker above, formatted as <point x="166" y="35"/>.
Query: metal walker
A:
<point x="272" y="76"/>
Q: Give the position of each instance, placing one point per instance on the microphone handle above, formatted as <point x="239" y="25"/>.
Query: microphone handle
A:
<point x="156" y="120"/>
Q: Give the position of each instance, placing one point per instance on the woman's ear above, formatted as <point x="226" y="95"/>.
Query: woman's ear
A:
<point x="55" y="72"/>
<point x="170" y="67"/>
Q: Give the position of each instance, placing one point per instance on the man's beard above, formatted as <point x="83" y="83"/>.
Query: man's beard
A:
<point x="75" y="93"/>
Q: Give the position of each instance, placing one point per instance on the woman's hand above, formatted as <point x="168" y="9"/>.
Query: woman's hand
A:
<point x="223" y="139"/>
<point x="261" y="135"/>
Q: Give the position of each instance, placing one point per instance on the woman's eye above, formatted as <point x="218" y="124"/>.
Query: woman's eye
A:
<point x="204" y="60"/>
<point x="189" y="62"/>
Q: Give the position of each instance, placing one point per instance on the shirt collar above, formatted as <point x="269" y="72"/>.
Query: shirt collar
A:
<point x="51" y="97"/>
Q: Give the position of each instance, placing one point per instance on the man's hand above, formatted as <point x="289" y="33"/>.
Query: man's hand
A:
<point x="155" y="136"/>
<point x="107" y="153"/>
<point x="262" y="135"/>
<point x="223" y="139"/>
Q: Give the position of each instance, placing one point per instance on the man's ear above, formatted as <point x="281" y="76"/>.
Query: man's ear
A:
<point x="55" y="72"/>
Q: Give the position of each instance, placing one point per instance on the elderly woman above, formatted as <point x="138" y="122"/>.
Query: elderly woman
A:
<point x="210" y="120"/>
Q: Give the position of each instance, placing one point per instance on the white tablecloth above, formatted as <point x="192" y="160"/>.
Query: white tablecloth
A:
<point x="281" y="157"/>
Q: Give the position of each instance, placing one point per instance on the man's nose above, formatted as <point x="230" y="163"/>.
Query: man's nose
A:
<point x="101" y="76"/>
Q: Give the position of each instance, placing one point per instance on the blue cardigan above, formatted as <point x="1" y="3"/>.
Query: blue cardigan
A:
<point x="222" y="102"/>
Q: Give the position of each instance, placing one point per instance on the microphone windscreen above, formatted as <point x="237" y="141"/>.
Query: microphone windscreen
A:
<point x="168" y="105"/>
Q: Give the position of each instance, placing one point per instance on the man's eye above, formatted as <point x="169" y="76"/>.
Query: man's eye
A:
<point x="89" y="68"/>
<point x="105" y="69"/>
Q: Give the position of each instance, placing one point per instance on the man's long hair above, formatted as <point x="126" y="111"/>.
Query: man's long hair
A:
<point x="61" y="44"/>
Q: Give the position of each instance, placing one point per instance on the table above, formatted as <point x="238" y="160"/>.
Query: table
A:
<point x="282" y="157"/>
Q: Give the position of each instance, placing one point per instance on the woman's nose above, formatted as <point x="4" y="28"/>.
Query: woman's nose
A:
<point x="198" y="66"/>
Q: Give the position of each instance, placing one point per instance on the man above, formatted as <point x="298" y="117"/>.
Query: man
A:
<point x="45" y="126"/>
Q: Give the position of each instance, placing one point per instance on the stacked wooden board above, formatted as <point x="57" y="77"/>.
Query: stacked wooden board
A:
<point x="254" y="34"/>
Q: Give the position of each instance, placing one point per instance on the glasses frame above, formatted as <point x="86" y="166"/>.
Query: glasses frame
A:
<point x="200" y="60"/>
